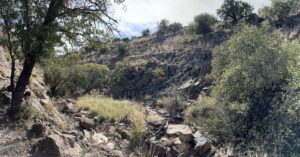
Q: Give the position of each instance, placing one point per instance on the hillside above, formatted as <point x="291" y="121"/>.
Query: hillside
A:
<point x="184" y="59"/>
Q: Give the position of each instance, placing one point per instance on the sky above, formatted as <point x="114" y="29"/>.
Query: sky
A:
<point x="137" y="15"/>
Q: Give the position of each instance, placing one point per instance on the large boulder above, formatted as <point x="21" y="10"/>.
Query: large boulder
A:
<point x="184" y="132"/>
<point x="57" y="145"/>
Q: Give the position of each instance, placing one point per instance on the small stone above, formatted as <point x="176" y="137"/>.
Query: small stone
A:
<point x="99" y="138"/>
<point x="111" y="145"/>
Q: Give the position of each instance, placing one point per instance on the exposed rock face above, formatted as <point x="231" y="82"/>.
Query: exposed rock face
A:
<point x="57" y="146"/>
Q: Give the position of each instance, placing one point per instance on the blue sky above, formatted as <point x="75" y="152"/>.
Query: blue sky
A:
<point x="137" y="15"/>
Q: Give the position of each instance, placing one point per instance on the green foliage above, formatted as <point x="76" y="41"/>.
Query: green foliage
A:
<point x="204" y="113"/>
<point x="146" y="32"/>
<point x="235" y="10"/>
<point x="252" y="73"/>
<point x="278" y="11"/>
<point x="28" y="112"/>
<point x="123" y="51"/>
<point x="174" y="27"/>
<point x="173" y="104"/>
<point x="67" y="78"/>
<point x="159" y="73"/>
<point x="203" y="23"/>
<point x="164" y="27"/>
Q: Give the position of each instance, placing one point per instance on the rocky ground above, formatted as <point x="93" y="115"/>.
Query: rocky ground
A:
<point x="60" y="129"/>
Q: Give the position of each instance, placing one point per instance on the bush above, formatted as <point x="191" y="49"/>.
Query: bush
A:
<point x="278" y="11"/>
<point x="203" y="24"/>
<point x="252" y="72"/>
<point x="72" y="79"/>
<point x="205" y="114"/>
<point x="146" y="32"/>
<point x="159" y="73"/>
<point x="235" y="10"/>
<point x="164" y="27"/>
<point x="173" y="104"/>
<point x="28" y="112"/>
<point x="123" y="51"/>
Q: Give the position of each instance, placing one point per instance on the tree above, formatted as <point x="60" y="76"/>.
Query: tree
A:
<point x="146" y="32"/>
<point x="162" y="27"/>
<point x="252" y="73"/>
<point x="8" y="38"/>
<point x="235" y="10"/>
<point x="279" y="10"/>
<point x="203" y="23"/>
<point x="174" y="27"/>
<point x="44" y="24"/>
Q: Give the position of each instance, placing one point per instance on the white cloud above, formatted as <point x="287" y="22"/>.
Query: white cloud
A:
<point x="141" y="14"/>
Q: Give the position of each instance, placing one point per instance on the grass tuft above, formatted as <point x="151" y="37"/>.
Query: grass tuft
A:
<point x="117" y="110"/>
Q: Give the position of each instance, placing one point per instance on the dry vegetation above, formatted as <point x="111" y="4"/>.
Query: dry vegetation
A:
<point x="117" y="110"/>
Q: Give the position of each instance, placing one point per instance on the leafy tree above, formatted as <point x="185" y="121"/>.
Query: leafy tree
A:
<point x="252" y="72"/>
<point x="203" y="23"/>
<point x="9" y="36"/>
<point x="146" y="32"/>
<point x="279" y="10"/>
<point x="174" y="27"/>
<point x="235" y="10"/>
<point x="162" y="27"/>
<point x="42" y="24"/>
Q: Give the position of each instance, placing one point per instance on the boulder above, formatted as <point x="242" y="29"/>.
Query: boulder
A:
<point x="202" y="145"/>
<point x="57" y="145"/>
<point x="183" y="131"/>
<point x="155" y="120"/>
<point x="87" y="123"/>
<point x="39" y="130"/>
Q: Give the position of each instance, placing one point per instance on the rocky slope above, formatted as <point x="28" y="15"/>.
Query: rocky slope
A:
<point x="58" y="128"/>
<point x="183" y="58"/>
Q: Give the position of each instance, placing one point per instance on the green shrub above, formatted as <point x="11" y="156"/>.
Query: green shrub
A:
<point x="203" y="24"/>
<point x="173" y="104"/>
<point x="159" y="73"/>
<point x="252" y="73"/>
<point x="146" y="32"/>
<point x="73" y="79"/>
<point x="123" y="51"/>
<point x="205" y="115"/>
<point x="278" y="11"/>
<point x="28" y="112"/>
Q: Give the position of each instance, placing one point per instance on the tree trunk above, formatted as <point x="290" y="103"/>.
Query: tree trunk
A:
<point x="12" y="73"/>
<point x="17" y="94"/>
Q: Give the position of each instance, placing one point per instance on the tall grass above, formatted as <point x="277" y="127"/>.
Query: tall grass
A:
<point x="117" y="110"/>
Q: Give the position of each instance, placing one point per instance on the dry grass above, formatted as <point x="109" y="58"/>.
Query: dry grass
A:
<point x="117" y="110"/>
<point x="107" y="107"/>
